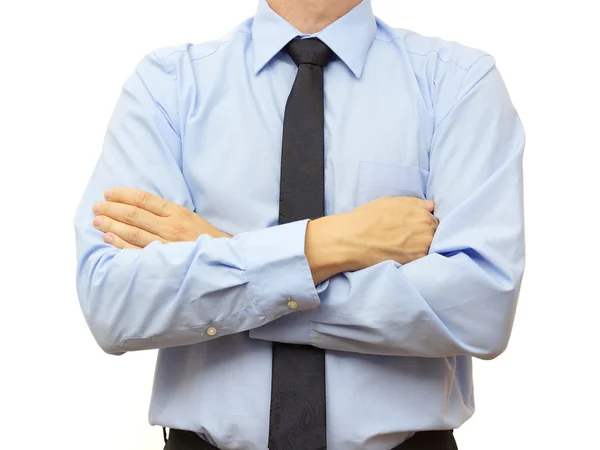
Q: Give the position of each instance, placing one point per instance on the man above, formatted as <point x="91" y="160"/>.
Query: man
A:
<point x="318" y="220"/>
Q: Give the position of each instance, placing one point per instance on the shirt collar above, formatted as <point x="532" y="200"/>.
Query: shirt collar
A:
<point x="350" y="37"/>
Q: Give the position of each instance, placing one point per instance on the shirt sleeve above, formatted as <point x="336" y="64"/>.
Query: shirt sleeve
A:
<point x="178" y="293"/>
<point x="461" y="298"/>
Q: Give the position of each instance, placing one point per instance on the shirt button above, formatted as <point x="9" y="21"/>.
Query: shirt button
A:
<point x="211" y="331"/>
<point x="293" y="304"/>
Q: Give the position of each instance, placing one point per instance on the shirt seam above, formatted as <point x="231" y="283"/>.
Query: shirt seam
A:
<point x="194" y="59"/>
<point x="458" y="90"/>
<point x="166" y="56"/>
<point x="211" y="53"/>
<point x="250" y="284"/>
<point x="171" y="70"/>
<point x="437" y="53"/>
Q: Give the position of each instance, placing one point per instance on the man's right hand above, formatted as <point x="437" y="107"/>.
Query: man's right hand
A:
<point x="389" y="228"/>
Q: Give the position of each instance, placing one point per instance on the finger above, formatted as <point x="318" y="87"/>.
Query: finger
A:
<point x="116" y="241"/>
<point x="142" y="199"/>
<point x="429" y="205"/>
<point x="129" y="233"/>
<point x="131" y="215"/>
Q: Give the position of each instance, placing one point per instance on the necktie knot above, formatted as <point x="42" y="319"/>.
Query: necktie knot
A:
<point x="309" y="51"/>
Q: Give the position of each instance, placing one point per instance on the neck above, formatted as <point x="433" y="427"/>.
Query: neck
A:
<point x="311" y="16"/>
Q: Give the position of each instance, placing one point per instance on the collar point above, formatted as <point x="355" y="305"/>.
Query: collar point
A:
<point x="357" y="71"/>
<point x="356" y="68"/>
<point x="258" y="66"/>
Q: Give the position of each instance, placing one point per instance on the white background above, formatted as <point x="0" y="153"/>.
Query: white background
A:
<point x="62" y="64"/>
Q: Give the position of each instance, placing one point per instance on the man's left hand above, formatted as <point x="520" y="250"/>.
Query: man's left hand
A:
<point x="132" y="218"/>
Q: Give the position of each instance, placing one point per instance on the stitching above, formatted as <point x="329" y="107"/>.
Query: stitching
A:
<point x="157" y="104"/>
<point x="458" y="92"/>
<point x="309" y="278"/>
<point x="179" y="127"/>
<point x="439" y="57"/>
<point x="477" y="60"/>
<point x="185" y="50"/>
<point x="166" y="56"/>
<point x="249" y="283"/>
<point x="211" y="53"/>
<point x="171" y="70"/>
<point x="423" y="54"/>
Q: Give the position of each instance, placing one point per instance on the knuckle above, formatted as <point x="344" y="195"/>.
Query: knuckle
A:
<point x="132" y="235"/>
<point x="142" y="197"/>
<point x="107" y="224"/>
<point x="106" y="209"/>
<point x="132" y="214"/>
<point x="185" y="213"/>
<point x="178" y="230"/>
<point x="164" y="207"/>
<point x="424" y="219"/>
<point x="413" y="201"/>
<point x="415" y="215"/>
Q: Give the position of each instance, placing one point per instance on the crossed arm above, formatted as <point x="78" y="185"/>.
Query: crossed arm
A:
<point x="458" y="296"/>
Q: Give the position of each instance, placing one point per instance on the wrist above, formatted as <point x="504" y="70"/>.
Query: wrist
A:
<point x="327" y="248"/>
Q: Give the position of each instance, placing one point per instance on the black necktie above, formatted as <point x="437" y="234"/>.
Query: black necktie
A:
<point x="298" y="386"/>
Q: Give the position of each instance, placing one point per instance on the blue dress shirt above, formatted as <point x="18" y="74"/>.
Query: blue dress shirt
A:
<point x="405" y="115"/>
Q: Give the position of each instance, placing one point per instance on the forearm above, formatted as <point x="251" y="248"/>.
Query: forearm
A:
<point x="185" y="293"/>
<point x="179" y="293"/>
<point x="458" y="300"/>
<point x="396" y="310"/>
<point x="461" y="298"/>
<point x="327" y="250"/>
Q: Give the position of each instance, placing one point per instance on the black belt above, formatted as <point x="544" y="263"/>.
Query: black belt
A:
<point x="424" y="440"/>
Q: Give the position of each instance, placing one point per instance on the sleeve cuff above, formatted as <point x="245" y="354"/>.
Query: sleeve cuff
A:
<point x="278" y="271"/>
<point x="322" y="286"/>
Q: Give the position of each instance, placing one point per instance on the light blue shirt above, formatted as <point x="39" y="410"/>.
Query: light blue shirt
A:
<point x="405" y="115"/>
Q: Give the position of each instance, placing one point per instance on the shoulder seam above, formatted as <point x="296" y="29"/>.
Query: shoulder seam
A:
<point x="438" y="56"/>
<point x="459" y="88"/>
<point x="159" y="58"/>
<point x="211" y="53"/>
<point x="436" y="53"/>
<point x="479" y="59"/>
<point x="173" y="74"/>
<point x="166" y="56"/>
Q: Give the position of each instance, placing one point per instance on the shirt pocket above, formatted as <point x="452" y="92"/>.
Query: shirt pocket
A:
<point x="381" y="179"/>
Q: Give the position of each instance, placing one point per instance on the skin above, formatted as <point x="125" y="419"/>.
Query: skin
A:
<point x="389" y="228"/>
<point x="311" y="16"/>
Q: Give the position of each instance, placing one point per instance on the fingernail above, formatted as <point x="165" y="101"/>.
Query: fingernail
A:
<point x="108" y="238"/>
<point x="108" y="194"/>
<point x="96" y="208"/>
<point x="97" y="221"/>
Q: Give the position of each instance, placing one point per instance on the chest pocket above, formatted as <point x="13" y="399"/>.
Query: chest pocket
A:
<point x="380" y="179"/>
